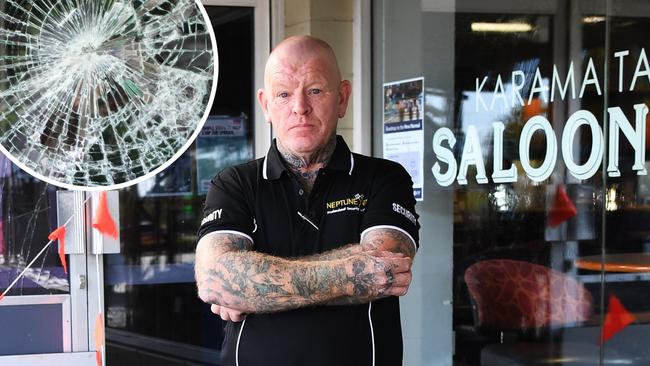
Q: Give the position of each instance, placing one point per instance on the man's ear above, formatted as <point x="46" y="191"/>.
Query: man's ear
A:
<point x="263" y="102"/>
<point x="345" y="89"/>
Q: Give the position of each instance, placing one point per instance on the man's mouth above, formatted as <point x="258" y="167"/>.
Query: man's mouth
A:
<point x="302" y="127"/>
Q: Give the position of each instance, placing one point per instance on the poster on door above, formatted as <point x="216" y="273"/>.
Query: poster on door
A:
<point x="404" y="128"/>
<point x="221" y="143"/>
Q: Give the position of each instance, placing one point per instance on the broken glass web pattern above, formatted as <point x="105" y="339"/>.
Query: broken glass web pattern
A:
<point x="101" y="92"/>
<point x="26" y="217"/>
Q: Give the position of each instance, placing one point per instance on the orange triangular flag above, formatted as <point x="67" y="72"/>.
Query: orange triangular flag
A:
<point x="617" y="318"/>
<point x="2" y="296"/>
<point x="59" y="234"/>
<point x="103" y="220"/>
<point x="531" y="110"/>
<point x="563" y="209"/>
<point x="99" y="338"/>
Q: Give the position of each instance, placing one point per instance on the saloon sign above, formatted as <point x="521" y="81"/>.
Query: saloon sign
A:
<point x="446" y="169"/>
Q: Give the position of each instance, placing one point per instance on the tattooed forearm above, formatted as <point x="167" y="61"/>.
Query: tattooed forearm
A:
<point x="364" y="289"/>
<point x="391" y="240"/>
<point x="339" y="253"/>
<point x="228" y="273"/>
<point x="259" y="283"/>
<point x="225" y="242"/>
<point x="378" y="239"/>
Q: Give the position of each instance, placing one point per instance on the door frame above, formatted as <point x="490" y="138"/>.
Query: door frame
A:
<point x="67" y="356"/>
<point x="85" y="249"/>
<point x="63" y="299"/>
<point x="269" y="29"/>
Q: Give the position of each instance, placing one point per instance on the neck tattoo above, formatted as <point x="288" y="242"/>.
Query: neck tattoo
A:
<point x="305" y="168"/>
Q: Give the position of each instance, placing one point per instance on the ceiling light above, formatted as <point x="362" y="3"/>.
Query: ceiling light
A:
<point x="501" y="27"/>
<point x="593" y="19"/>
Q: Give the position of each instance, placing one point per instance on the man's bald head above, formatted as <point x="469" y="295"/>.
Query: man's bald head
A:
<point x="298" y="50"/>
<point x="303" y="96"/>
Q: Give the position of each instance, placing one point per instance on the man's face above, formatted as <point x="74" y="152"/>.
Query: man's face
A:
<point x="303" y="100"/>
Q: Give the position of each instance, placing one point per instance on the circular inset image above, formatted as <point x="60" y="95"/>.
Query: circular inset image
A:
<point x="102" y="94"/>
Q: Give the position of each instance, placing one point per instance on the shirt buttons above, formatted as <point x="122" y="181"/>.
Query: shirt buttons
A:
<point x="301" y="192"/>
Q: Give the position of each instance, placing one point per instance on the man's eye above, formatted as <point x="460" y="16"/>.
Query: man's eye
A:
<point x="316" y="91"/>
<point x="283" y="95"/>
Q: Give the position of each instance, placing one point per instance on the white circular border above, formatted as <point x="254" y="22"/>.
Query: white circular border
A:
<point x="162" y="167"/>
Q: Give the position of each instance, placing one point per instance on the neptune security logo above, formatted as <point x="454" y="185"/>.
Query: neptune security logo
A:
<point x="358" y="202"/>
<point x="216" y="214"/>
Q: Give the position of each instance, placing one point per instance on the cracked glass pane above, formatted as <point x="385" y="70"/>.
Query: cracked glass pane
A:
<point x="27" y="215"/>
<point x="99" y="93"/>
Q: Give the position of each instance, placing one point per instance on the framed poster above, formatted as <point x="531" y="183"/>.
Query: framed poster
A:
<point x="404" y="128"/>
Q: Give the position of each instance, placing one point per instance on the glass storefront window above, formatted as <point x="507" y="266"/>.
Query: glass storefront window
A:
<point x="27" y="216"/>
<point x="39" y="299"/>
<point x="535" y="188"/>
<point x="153" y="312"/>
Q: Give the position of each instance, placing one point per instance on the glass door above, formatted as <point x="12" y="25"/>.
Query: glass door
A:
<point x="153" y="313"/>
<point x="49" y="308"/>
<point x="536" y="189"/>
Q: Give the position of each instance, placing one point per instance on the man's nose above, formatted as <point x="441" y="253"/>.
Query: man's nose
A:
<point x="301" y="104"/>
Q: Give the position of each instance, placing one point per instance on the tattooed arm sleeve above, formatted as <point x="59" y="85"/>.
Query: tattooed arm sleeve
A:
<point x="376" y="239"/>
<point x="387" y="239"/>
<point x="230" y="274"/>
<point x="389" y="224"/>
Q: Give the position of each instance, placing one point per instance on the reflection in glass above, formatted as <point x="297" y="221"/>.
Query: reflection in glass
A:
<point x="556" y="269"/>
<point x="518" y="297"/>
<point x="151" y="305"/>
<point x="27" y="216"/>
<point x="625" y="260"/>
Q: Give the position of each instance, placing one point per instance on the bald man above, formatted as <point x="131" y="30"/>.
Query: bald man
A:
<point x="304" y="252"/>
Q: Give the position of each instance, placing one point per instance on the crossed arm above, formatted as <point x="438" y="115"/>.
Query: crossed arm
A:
<point x="237" y="280"/>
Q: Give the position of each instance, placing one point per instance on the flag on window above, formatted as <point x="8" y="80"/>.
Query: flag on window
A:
<point x="617" y="318"/>
<point x="103" y="220"/>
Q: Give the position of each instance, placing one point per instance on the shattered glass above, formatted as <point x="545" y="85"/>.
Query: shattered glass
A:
<point x="101" y="92"/>
<point x="27" y="215"/>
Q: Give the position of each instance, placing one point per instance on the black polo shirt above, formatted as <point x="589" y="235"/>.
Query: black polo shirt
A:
<point x="263" y="202"/>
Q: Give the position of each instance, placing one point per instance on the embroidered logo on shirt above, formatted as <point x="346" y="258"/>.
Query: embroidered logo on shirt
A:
<point x="216" y="214"/>
<point x="356" y="203"/>
<point x="406" y="213"/>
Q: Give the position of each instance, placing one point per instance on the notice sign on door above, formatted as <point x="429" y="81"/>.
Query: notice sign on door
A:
<point x="221" y="143"/>
<point x="404" y="128"/>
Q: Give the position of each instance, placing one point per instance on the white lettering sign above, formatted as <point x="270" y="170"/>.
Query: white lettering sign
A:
<point x="446" y="169"/>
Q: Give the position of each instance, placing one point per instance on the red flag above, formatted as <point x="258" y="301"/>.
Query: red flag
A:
<point x="2" y="296"/>
<point x="103" y="220"/>
<point x="563" y="209"/>
<point x="99" y="338"/>
<point x="617" y="318"/>
<point x="59" y="234"/>
<point x="531" y="110"/>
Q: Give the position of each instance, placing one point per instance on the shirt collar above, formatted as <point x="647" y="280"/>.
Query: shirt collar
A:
<point x="342" y="160"/>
